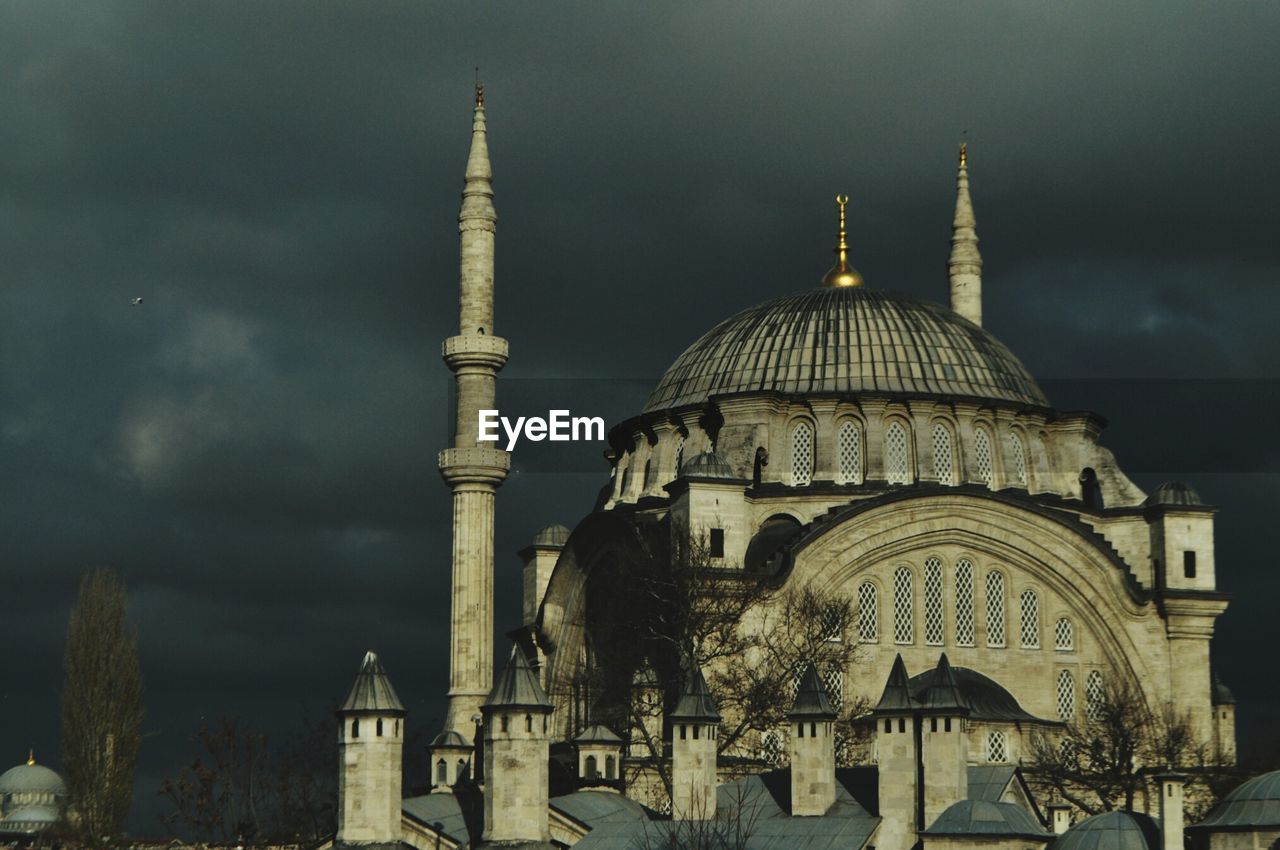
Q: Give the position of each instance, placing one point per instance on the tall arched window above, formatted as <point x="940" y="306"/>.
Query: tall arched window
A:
<point x="897" y="454"/>
<point x="589" y="767"/>
<point x="964" y="602"/>
<point x="1018" y="450"/>
<point x="772" y="748"/>
<point x="995" y="608"/>
<point x="1030" y="619"/>
<point x="868" y="614"/>
<point x="997" y="746"/>
<point x="610" y="768"/>
<point x="849" y="452"/>
<point x="933" y="602"/>
<point x="944" y="460"/>
<point x="1095" y="695"/>
<point x="1064" y="638"/>
<point x="1066" y="696"/>
<point x="442" y="772"/>
<point x="982" y="456"/>
<point x="833" y="684"/>
<point x="902" y="607"/>
<point x="679" y="455"/>
<point x="801" y="454"/>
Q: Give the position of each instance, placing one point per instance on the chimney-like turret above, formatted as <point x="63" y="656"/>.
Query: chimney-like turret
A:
<point x="371" y="747"/>
<point x="695" y="726"/>
<point x="1171" y="816"/>
<point x="516" y="716"/>
<point x="813" y="751"/>
<point x="898" y="755"/>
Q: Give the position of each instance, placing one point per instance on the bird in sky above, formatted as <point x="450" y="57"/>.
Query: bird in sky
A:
<point x="137" y="301"/>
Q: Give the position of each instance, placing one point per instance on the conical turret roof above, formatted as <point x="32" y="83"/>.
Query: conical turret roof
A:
<point x="517" y="686"/>
<point x="943" y="695"/>
<point x="811" y="698"/>
<point x="372" y="691"/>
<point x="696" y="702"/>
<point x="897" y="691"/>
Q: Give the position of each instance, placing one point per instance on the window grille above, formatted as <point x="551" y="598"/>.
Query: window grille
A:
<point x="1019" y="452"/>
<point x="849" y="452"/>
<point x="801" y="454"/>
<point x="1094" y="695"/>
<point x="1030" y="620"/>
<point x="833" y="684"/>
<point x="772" y="748"/>
<point x="933" y="602"/>
<point x="995" y="609"/>
<point x="1066" y="696"/>
<point x="868" y="614"/>
<point x="897" y="455"/>
<point x="796" y="675"/>
<point x="679" y="455"/>
<point x="902" y="606"/>
<point x="997" y="746"/>
<point x="833" y="623"/>
<point x="982" y="456"/>
<point x="964" y="603"/>
<point x="943" y="455"/>
<point x="1064" y="639"/>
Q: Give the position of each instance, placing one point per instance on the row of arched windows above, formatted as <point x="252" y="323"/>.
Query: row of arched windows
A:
<point x="898" y="466"/>
<point x="1094" y="695"/>
<point x="934" y="610"/>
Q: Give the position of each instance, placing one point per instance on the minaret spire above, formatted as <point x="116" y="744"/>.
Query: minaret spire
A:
<point x="965" y="265"/>
<point x="473" y="470"/>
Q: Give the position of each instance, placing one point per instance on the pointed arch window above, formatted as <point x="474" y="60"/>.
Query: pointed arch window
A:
<point x="1066" y="696"/>
<point x="833" y="684"/>
<point x="897" y="454"/>
<point x="1095" y="695"/>
<point x="772" y="748"/>
<point x="995" y="608"/>
<point x="964" y="602"/>
<point x="982" y="456"/>
<point x="933" y="602"/>
<point x="868" y="614"/>
<point x="801" y="454"/>
<point x="902" y="607"/>
<point x="1064" y="638"/>
<point x="944" y="460"/>
<point x="442" y="772"/>
<point x="679" y="455"/>
<point x="849" y="452"/>
<point x="1018" y="450"/>
<point x="1030" y="619"/>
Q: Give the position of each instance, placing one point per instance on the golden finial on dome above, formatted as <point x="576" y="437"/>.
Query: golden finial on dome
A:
<point x="842" y="274"/>
<point x="31" y="757"/>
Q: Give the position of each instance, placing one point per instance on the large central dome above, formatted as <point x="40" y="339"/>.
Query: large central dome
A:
<point x="847" y="340"/>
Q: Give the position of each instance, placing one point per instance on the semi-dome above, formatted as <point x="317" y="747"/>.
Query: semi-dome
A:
<point x="847" y="340"/>
<point x="1174" y="493"/>
<point x="31" y="778"/>
<point x="1111" y="831"/>
<point x="1255" y="803"/>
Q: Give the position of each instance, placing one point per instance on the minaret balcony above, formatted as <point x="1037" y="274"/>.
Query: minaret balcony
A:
<point x="474" y="350"/>
<point x="474" y="465"/>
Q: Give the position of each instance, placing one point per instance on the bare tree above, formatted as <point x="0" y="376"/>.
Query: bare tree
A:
<point x="729" y="828"/>
<point x="102" y="706"/>
<point x="1104" y="761"/>
<point x="221" y="794"/>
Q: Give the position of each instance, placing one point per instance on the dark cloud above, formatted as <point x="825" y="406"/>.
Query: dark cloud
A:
<point x="254" y="445"/>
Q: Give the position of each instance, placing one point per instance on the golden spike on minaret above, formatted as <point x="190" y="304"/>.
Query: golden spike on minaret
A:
<point x="964" y="157"/>
<point x="842" y="274"/>
<point x="479" y="94"/>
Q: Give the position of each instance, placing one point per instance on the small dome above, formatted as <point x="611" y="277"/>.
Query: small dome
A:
<point x="707" y="465"/>
<point x="1111" y="831"/>
<point x="597" y="734"/>
<point x="1174" y="493"/>
<point x="551" y="535"/>
<point x="1255" y="803"/>
<point x="31" y="778"/>
<point x="449" y="738"/>
<point x="980" y="817"/>
<point x="1222" y="694"/>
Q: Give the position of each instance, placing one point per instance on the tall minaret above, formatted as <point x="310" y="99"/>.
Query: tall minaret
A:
<point x="965" y="265"/>
<point x="473" y="470"/>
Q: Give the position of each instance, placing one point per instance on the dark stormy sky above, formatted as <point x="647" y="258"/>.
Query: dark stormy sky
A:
<point x="254" y="446"/>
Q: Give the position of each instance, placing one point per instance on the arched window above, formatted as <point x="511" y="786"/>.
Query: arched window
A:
<point x="868" y="614"/>
<point x="378" y="730"/>
<point x="462" y="769"/>
<point x="1030" y="619"/>
<point x="355" y="728"/>
<point x="902" y="606"/>
<point x="528" y="723"/>
<point x="1064" y="638"/>
<point x="964" y="602"/>
<point x="624" y="481"/>
<point x="982" y="456"/>
<point x="590" y="769"/>
<point x="833" y="684"/>
<point x="1095" y="695"/>
<point x="610" y="768"/>
<point x="801" y="454"/>
<point x="897" y="454"/>
<point x="772" y="748"/>
<point x="833" y="623"/>
<point x="933" y="602"/>
<point x="995" y="608"/>
<point x="679" y="455"/>
<point x="997" y="746"/>
<point x="944" y="465"/>
<point x="1018" y="450"/>
<point x="442" y="772"/>
<point x="849" y="453"/>
<point x="1066" y="696"/>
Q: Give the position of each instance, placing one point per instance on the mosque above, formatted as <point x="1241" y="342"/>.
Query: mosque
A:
<point x="992" y="576"/>
<point x="32" y="800"/>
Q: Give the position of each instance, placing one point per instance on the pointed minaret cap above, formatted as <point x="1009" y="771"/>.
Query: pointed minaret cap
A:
<point x="517" y="687"/>
<point x="896" y="698"/>
<point x="965" y="265"/>
<point x="811" y="697"/>
<point x="372" y="692"/>
<point x="478" y="167"/>
<point x="696" y="702"/>
<point x="943" y="695"/>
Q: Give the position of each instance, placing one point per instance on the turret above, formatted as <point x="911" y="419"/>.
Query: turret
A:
<point x="695" y="726"/>
<point x="1172" y="836"/>
<point x="813" y="752"/>
<point x="450" y="758"/>
<point x="898" y="757"/>
<point x="965" y="266"/>
<point x="516" y="718"/>
<point x="707" y="505"/>
<point x="371" y="747"/>
<point x="943" y="742"/>
<point x="599" y="757"/>
<point x="540" y="558"/>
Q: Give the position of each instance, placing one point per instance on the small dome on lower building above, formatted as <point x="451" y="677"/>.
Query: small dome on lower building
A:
<point x="1174" y="493"/>
<point x="31" y="778"/>
<point x="551" y="535"/>
<point x="707" y="465"/>
<point x="1255" y="803"/>
<point x="449" y="738"/>
<point x="1111" y="831"/>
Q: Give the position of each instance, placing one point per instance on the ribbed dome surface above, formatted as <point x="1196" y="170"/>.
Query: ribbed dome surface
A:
<point x="31" y="779"/>
<point x="847" y="340"/>
<point x="1174" y="493"/>
<point x="1111" y="831"/>
<point x="1253" y="803"/>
